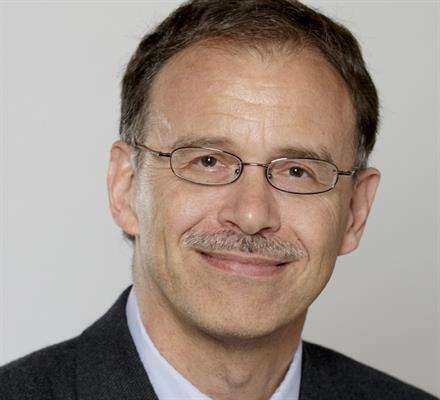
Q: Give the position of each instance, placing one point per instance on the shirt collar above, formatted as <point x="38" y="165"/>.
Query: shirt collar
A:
<point x="169" y="384"/>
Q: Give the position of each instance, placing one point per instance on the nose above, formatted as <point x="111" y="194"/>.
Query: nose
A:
<point x="250" y="205"/>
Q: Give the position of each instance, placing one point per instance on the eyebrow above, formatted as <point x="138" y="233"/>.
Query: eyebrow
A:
<point x="298" y="151"/>
<point x="220" y="142"/>
<point x="202" y="141"/>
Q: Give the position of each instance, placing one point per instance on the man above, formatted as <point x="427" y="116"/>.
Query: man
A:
<point x="240" y="176"/>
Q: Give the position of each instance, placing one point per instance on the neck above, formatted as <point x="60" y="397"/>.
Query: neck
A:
<point x="227" y="368"/>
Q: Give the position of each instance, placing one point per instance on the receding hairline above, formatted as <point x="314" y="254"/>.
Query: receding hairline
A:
<point x="241" y="50"/>
<point x="264" y="50"/>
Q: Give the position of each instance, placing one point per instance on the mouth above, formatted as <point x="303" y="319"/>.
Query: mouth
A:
<point x="247" y="265"/>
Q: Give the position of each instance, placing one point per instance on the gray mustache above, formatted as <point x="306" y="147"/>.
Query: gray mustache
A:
<point x="249" y="244"/>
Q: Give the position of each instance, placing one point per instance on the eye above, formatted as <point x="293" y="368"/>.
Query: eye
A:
<point x="208" y="161"/>
<point x="297" y="172"/>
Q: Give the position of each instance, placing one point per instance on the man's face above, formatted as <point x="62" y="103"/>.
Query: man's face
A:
<point x="255" y="107"/>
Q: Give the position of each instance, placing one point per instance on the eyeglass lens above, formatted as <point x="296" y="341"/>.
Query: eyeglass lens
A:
<point x="216" y="167"/>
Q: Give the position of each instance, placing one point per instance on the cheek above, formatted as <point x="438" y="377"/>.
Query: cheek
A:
<point x="168" y="207"/>
<point x="331" y="215"/>
<point x="319" y="222"/>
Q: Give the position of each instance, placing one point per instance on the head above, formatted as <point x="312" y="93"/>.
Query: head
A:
<point x="261" y="79"/>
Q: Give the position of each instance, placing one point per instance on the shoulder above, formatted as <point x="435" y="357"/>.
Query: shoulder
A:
<point x="356" y="380"/>
<point x="40" y="375"/>
<point x="97" y="358"/>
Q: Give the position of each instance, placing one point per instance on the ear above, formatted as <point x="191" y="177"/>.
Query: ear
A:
<point x="120" y="184"/>
<point x="362" y="198"/>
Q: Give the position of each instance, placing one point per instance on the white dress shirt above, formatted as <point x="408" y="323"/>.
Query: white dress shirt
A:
<point x="169" y="384"/>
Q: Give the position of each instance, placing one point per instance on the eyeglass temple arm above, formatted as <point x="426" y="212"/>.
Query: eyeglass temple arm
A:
<point x="348" y="173"/>
<point x="155" y="152"/>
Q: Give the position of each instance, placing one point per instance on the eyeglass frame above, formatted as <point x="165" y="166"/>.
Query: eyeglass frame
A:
<point x="242" y="164"/>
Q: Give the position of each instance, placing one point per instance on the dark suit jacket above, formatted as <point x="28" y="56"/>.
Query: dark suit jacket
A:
<point x="102" y="363"/>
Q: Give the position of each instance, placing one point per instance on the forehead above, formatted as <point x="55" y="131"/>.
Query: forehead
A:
<point x="244" y="97"/>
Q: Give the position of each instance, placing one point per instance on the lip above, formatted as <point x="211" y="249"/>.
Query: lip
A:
<point x="244" y="265"/>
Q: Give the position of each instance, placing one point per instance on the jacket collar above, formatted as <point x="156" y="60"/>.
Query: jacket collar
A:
<point x="108" y="366"/>
<point x="316" y="382"/>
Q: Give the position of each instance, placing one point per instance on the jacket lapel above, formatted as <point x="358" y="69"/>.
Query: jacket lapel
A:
<point x="316" y="382"/>
<point x="108" y="366"/>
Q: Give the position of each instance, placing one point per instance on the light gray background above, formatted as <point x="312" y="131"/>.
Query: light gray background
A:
<point x="63" y="261"/>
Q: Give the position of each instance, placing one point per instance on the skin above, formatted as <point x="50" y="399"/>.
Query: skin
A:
<point x="233" y="333"/>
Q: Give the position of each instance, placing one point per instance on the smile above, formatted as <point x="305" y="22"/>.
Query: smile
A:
<point x="244" y="265"/>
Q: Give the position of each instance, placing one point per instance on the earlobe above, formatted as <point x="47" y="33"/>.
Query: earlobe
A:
<point x="360" y="205"/>
<point x="120" y="185"/>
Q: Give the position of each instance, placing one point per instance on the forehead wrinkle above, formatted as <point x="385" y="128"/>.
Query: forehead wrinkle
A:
<point x="232" y="117"/>
<point x="253" y="93"/>
<point x="251" y="100"/>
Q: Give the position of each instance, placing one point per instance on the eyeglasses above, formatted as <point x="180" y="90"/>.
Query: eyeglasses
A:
<point x="214" y="167"/>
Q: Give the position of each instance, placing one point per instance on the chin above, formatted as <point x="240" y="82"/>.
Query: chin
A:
<point x="238" y="334"/>
<point x="239" y="328"/>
